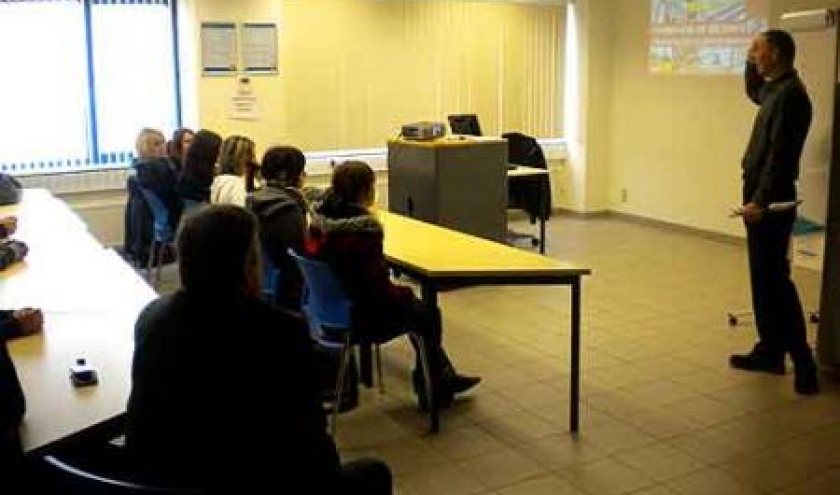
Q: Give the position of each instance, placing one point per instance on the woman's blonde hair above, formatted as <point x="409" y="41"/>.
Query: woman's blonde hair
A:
<point x="145" y="144"/>
<point x="236" y="155"/>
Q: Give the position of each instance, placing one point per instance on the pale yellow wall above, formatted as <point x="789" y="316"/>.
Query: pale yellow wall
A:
<point x="353" y="71"/>
<point x="589" y="150"/>
<point x="675" y="141"/>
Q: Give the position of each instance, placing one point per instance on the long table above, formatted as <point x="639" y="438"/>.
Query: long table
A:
<point x="90" y="298"/>
<point x="437" y="257"/>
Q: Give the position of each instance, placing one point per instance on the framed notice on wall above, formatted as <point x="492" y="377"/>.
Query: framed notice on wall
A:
<point x="259" y="47"/>
<point x="218" y="48"/>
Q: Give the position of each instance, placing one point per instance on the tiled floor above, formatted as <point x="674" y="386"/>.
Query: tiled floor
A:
<point x="661" y="411"/>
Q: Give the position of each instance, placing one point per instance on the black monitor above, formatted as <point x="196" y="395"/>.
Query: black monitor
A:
<point x="466" y="124"/>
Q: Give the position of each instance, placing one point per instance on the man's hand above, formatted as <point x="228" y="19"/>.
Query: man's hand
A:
<point x="29" y="320"/>
<point x="8" y="225"/>
<point x="753" y="213"/>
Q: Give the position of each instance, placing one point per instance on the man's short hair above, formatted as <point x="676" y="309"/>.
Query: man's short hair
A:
<point x="783" y="42"/>
<point x="283" y="164"/>
<point x="145" y="144"/>
<point x="215" y="247"/>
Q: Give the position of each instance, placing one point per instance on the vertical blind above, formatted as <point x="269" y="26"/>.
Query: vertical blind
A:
<point x="81" y="78"/>
<point x="375" y="65"/>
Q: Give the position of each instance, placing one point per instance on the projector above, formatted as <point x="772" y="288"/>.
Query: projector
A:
<point x="421" y="131"/>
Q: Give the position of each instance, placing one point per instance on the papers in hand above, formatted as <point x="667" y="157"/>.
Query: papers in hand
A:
<point x="738" y="211"/>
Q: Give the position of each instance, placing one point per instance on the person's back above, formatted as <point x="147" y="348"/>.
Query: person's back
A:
<point x="236" y="172"/>
<point x="282" y="216"/>
<point x="224" y="388"/>
<point x="282" y="210"/>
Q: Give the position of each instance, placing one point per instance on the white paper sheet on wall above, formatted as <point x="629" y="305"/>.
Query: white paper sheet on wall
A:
<point x="259" y="47"/>
<point x="218" y="48"/>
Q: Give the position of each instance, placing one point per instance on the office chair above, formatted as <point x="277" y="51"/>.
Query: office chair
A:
<point x="163" y="236"/>
<point x="328" y="312"/>
<point x="270" y="276"/>
<point x="66" y="479"/>
<point x="531" y="194"/>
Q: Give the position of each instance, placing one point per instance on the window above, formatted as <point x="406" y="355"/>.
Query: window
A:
<point x="87" y="76"/>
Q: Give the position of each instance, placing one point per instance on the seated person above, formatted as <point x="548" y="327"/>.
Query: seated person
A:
<point x="13" y="324"/>
<point x="282" y="211"/>
<point x="12" y="401"/>
<point x="237" y="167"/>
<point x="155" y="172"/>
<point x="205" y="359"/>
<point x="199" y="168"/>
<point x="177" y="147"/>
<point x="347" y="236"/>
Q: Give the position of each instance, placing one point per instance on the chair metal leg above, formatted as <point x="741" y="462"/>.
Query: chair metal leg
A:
<point x="427" y="381"/>
<point x="344" y="360"/>
<point x="365" y="364"/>
<point x="378" y="358"/>
<point x="160" y="254"/>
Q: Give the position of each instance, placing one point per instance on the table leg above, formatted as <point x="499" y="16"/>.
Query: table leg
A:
<point x="574" y="396"/>
<point x="542" y="220"/>
<point x="430" y="299"/>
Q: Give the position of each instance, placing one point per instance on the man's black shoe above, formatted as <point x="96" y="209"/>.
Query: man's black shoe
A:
<point x="461" y="383"/>
<point x="758" y="362"/>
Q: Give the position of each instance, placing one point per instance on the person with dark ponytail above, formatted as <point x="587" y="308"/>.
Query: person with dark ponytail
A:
<point x="350" y="239"/>
<point x="282" y="211"/>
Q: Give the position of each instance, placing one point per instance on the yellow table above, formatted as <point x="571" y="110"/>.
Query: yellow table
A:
<point x="438" y="257"/>
<point x="90" y="298"/>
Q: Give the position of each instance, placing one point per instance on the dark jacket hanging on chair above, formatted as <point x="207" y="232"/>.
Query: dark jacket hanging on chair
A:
<point x="525" y="192"/>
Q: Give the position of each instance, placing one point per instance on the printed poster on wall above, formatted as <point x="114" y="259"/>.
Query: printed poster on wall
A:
<point x="259" y="48"/>
<point x="218" y="48"/>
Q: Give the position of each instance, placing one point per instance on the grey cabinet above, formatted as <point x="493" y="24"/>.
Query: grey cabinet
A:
<point x="459" y="184"/>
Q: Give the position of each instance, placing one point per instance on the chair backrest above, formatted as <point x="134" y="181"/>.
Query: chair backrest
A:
<point x="525" y="150"/>
<point x="67" y="479"/>
<point x="270" y="276"/>
<point x="325" y="303"/>
<point x="160" y="216"/>
<point x="464" y="124"/>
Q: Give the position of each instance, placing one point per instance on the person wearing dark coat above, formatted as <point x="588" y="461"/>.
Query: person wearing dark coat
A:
<point x="155" y="172"/>
<point x="224" y="392"/>
<point x="350" y="239"/>
<point x="282" y="211"/>
<point x="13" y="324"/>
<point x="770" y="169"/>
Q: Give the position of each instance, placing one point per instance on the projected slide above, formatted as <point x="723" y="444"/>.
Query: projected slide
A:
<point x="703" y="36"/>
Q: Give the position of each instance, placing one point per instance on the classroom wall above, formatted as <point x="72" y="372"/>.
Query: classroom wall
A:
<point x="353" y="71"/>
<point x="675" y="142"/>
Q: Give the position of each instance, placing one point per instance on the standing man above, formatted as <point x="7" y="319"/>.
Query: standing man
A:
<point x="770" y="169"/>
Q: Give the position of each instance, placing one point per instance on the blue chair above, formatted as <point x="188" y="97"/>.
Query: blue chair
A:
<point x="163" y="236"/>
<point x="64" y="478"/>
<point x="328" y="310"/>
<point x="270" y="277"/>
